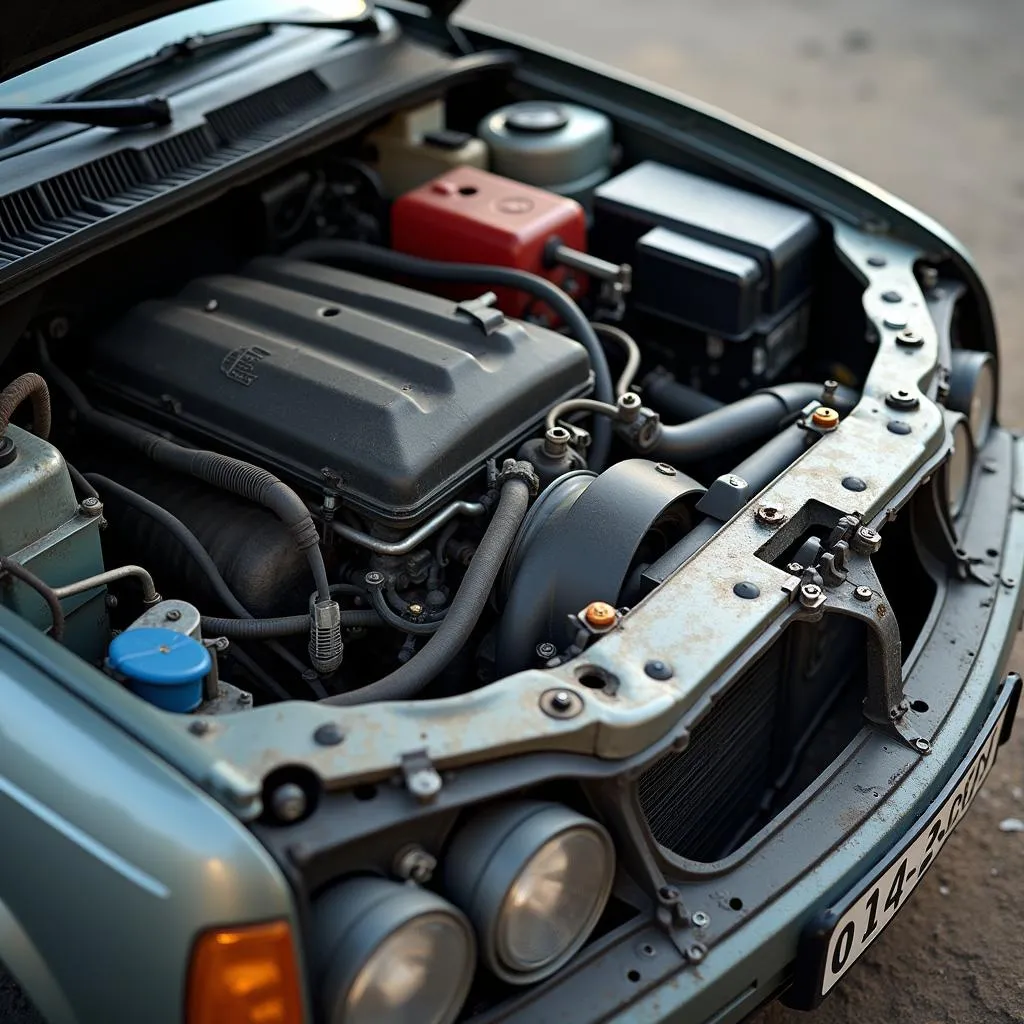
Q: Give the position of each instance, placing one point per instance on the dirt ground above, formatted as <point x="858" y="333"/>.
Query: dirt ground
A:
<point x="923" y="97"/>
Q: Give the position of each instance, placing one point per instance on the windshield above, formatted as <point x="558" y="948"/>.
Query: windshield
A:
<point x="78" y="69"/>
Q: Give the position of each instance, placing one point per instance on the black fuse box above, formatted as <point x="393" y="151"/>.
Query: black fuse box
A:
<point x="780" y="238"/>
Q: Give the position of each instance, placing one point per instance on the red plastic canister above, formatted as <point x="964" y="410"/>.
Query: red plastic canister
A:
<point x="467" y="215"/>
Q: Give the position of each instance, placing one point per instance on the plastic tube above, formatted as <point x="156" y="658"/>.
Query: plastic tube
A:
<point x="466" y="608"/>
<point x="332" y="251"/>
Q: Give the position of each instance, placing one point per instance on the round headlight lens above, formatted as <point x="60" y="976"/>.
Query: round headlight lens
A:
<point x="391" y="954"/>
<point x="972" y="390"/>
<point x="958" y="467"/>
<point x="552" y="901"/>
<point x="534" y="878"/>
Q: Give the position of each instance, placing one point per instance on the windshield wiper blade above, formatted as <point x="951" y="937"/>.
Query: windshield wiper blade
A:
<point x="138" y="112"/>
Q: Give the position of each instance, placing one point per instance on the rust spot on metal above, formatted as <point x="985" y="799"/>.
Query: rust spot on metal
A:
<point x="881" y="611"/>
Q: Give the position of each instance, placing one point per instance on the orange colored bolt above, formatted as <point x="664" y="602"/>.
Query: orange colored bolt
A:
<point x="600" y="615"/>
<point x="825" y="418"/>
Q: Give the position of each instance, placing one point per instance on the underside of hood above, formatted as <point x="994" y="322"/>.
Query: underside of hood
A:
<point x="32" y="33"/>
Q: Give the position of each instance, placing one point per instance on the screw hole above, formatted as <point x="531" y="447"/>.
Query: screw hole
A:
<point x="468" y="190"/>
<point x="365" y="792"/>
<point x="920" y="706"/>
<point x="594" y="678"/>
<point x="992" y="553"/>
<point x="647" y="949"/>
<point x="633" y="976"/>
<point x="735" y="903"/>
<point x="330" y="311"/>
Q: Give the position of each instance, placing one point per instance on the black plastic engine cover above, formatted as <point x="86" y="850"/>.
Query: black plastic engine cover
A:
<point x="305" y="369"/>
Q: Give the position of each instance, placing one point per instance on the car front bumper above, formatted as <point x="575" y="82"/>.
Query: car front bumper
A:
<point x="763" y="904"/>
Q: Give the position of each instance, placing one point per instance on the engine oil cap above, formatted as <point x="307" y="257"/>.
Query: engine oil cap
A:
<point x="536" y="118"/>
<point x="161" y="666"/>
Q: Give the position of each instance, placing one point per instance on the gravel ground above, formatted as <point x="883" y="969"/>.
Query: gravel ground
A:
<point x="923" y="97"/>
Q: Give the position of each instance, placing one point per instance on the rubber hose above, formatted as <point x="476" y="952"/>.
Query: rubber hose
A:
<point x="675" y="400"/>
<point x="466" y="608"/>
<point x="763" y="466"/>
<point x="182" y="534"/>
<point x="392" y="618"/>
<point x="28" y="386"/>
<point x="284" y="625"/>
<point x="740" y="422"/>
<point x="30" y="579"/>
<point x="82" y="487"/>
<point x="330" y="250"/>
<point x="233" y="475"/>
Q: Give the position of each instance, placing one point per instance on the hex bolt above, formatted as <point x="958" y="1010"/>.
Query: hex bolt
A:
<point x="91" y="506"/>
<point x="700" y="919"/>
<point x="866" y="540"/>
<point x="414" y="864"/>
<point x="922" y="746"/>
<point x="288" y="802"/>
<point x="374" y="578"/>
<point x="696" y="953"/>
<point x="546" y="651"/>
<point x="658" y="669"/>
<point x="424" y="784"/>
<point x="810" y="594"/>
<point x="795" y="568"/>
<point x="769" y="515"/>
<point x="901" y="398"/>
<point x="561" y="703"/>
<point x="909" y="338"/>
<point x="415" y="609"/>
<point x="863" y="593"/>
<point x="664" y="469"/>
<point x="328" y="735"/>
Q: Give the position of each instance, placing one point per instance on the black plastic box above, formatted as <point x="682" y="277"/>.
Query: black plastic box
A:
<point x="697" y="284"/>
<point x="780" y="238"/>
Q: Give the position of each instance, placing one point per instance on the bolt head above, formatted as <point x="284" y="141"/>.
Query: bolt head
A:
<point x="892" y="297"/>
<point x="825" y="418"/>
<point x="668" y="893"/>
<point x="909" y="338"/>
<point x="700" y="919"/>
<point x="696" y="953"/>
<point x="665" y="469"/>
<point x="288" y="802"/>
<point x="600" y="615"/>
<point x="658" y="669"/>
<point x="747" y="590"/>
<point x="795" y="568"/>
<point x="863" y="593"/>
<point x="561" y="703"/>
<point x="374" y="578"/>
<point x="922" y="746"/>
<point x="173" y="615"/>
<point x="546" y="651"/>
<point x="769" y="515"/>
<point x="199" y="727"/>
<point x="244" y="698"/>
<point x="328" y="735"/>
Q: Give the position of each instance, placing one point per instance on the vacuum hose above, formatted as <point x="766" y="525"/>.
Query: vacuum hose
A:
<point x="466" y="608"/>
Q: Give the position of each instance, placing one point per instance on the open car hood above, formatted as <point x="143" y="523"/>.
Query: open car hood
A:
<point x="32" y="33"/>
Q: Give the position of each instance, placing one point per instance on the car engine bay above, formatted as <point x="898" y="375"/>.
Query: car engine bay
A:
<point x="438" y="404"/>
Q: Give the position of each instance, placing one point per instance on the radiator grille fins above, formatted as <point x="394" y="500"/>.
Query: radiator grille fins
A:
<point x="51" y="210"/>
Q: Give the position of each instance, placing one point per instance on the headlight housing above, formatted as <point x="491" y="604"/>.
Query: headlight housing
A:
<point x="391" y="954"/>
<point x="972" y="390"/>
<point x="959" y="466"/>
<point x="534" y="878"/>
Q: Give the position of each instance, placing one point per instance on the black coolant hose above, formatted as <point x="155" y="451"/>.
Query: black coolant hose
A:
<point x="674" y="400"/>
<point x="466" y="608"/>
<point x="244" y="627"/>
<point x="741" y="422"/>
<point x="331" y="251"/>
<point x="234" y="475"/>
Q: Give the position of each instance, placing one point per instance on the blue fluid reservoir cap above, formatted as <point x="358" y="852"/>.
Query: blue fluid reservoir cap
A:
<point x="161" y="666"/>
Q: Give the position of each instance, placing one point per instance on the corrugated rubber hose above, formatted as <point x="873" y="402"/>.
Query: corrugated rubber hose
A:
<point x="234" y="475"/>
<point x="466" y="608"/>
<point x="32" y="387"/>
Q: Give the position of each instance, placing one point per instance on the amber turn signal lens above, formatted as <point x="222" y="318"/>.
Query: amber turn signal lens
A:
<point x="245" y="975"/>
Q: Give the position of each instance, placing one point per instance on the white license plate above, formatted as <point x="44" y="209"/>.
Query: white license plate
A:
<point x="880" y="900"/>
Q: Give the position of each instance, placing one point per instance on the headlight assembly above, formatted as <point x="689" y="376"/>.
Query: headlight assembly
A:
<point x="391" y="954"/>
<point x="972" y="390"/>
<point x="534" y="879"/>
<point x="957" y="471"/>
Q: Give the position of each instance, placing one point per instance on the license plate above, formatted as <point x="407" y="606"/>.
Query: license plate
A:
<point x="846" y="931"/>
